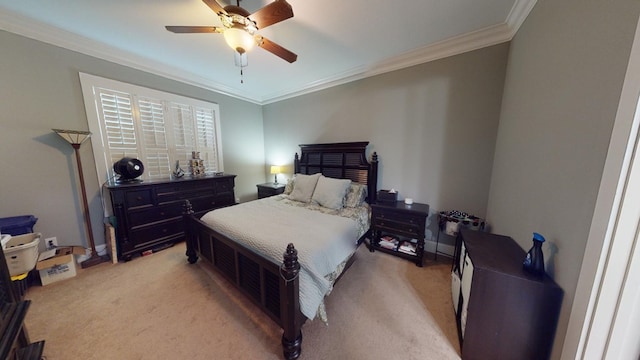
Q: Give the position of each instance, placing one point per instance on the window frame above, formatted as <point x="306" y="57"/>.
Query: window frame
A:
<point x="91" y="86"/>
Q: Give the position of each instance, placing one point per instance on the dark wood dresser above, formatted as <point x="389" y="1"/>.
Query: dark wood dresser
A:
<point x="502" y="312"/>
<point x="149" y="214"/>
<point x="14" y="340"/>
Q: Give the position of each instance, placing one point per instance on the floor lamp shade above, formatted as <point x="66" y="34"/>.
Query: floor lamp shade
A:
<point x="76" y="138"/>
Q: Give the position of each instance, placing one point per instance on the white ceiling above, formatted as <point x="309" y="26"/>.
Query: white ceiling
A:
<point x="337" y="41"/>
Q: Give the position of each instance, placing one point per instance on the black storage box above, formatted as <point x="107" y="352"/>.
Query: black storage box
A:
<point x="384" y="196"/>
<point x="17" y="225"/>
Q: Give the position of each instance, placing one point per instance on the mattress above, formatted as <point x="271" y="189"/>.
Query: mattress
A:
<point x="324" y="238"/>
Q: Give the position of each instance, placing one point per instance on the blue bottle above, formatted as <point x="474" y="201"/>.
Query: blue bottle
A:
<point x="534" y="261"/>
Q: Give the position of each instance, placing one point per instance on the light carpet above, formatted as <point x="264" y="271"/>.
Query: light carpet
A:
<point x="162" y="307"/>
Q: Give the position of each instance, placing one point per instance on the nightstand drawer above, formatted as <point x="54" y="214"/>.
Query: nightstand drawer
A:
<point x="401" y="228"/>
<point x="397" y="217"/>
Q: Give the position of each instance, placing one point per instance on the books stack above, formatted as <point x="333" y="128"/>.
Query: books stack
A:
<point x="408" y="247"/>
<point x="388" y="242"/>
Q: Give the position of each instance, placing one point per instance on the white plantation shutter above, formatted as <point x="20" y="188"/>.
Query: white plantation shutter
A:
<point x="184" y="133"/>
<point x="156" y="127"/>
<point x="206" y="137"/>
<point x="118" y="127"/>
<point x="154" y="138"/>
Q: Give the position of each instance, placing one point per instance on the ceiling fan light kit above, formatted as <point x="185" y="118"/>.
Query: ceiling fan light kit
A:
<point x="239" y="39"/>
<point x="240" y="27"/>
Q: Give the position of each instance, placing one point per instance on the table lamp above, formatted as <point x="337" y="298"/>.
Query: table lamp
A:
<point x="275" y="170"/>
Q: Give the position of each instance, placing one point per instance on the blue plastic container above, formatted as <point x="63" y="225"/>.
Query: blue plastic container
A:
<point x="17" y="225"/>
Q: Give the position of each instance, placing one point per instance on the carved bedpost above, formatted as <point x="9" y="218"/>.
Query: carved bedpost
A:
<point x="187" y="217"/>
<point x="296" y="164"/>
<point x="290" y="304"/>
<point x="373" y="178"/>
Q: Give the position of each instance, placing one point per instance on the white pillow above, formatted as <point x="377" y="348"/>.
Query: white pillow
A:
<point x="303" y="187"/>
<point x="330" y="192"/>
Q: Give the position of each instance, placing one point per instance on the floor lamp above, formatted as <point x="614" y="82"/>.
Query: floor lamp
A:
<point x="76" y="138"/>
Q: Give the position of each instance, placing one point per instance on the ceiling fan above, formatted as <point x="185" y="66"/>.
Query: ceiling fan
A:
<point x="240" y="27"/>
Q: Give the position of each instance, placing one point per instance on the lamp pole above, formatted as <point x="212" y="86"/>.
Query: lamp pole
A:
<point x="94" y="259"/>
<point x="76" y="138"/>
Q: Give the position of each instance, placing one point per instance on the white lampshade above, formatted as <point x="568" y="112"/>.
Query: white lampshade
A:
<point x="239" y="39"/>
<point x="276" y="169"/>
<point x="76" y="137"/>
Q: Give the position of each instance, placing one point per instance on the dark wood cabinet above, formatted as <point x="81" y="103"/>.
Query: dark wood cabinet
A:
<point x="149" y="214"/>
<point x="269" y="189"/>
<point x="402" y="222"/>
<point x="502" y="312"/>
<point x="14" y="340"/>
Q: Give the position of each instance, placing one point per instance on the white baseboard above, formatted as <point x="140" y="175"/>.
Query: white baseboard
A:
<point x="446" y="249"/>
<point x="100" y="249"/>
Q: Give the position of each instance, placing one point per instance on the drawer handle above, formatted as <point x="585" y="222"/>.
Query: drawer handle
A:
<point x="164" y="231"/>
<point x="139" y="198"/>
<point x="162" y="213"/>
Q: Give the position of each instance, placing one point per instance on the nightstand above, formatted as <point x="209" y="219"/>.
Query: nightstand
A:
<point x="398" y="229"/>
<point x="269" y="189"/>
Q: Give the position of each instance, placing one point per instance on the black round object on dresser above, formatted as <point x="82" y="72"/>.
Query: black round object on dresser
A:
<point x="128" y="169"/>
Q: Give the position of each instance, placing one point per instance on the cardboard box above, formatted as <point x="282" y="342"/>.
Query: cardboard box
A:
<point x="58" y="264"/>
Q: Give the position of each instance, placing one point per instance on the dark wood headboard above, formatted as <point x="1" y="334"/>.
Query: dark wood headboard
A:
<point x="341" y="161"/>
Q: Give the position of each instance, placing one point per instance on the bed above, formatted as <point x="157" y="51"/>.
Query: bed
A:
<point x="278" y="281"/>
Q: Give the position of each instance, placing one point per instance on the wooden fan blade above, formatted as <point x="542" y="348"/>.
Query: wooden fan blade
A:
<point x="194" y="29"/>
<point x="213" y="5"/>
<point x="273" y="13"/>
<point x="276" y="49"/>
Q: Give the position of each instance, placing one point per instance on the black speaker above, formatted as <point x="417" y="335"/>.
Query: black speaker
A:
<point x="128" y="169"/>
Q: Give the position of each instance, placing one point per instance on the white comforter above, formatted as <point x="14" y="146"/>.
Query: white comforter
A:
<point x="268" y="225"/>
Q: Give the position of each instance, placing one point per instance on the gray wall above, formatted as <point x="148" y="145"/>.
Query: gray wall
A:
<point x="564" y="77"/>
<point x="433" y="126"/>
<point x="40" y="90"/>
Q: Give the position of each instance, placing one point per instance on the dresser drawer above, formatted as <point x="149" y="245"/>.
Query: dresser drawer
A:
<point x="224" y="186"/>
<point x="159" y="213"/>
<point x="146" y="235"/>
<point x="204" y="203"/>
<point x="172" y="193"/>
<point x="139" y="198"/>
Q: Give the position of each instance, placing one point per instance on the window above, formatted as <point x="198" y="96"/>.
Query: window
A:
<point x="161" y="129"/>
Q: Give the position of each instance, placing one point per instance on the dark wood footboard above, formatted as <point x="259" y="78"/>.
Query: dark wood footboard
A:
<point x="272" y="287"/>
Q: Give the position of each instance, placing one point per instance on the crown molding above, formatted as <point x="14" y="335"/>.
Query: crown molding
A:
<point x="493" y="35"/>
<point x="453" y="46"/>
<point x="489" y="36"/>
<point x="35" y="30"/>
